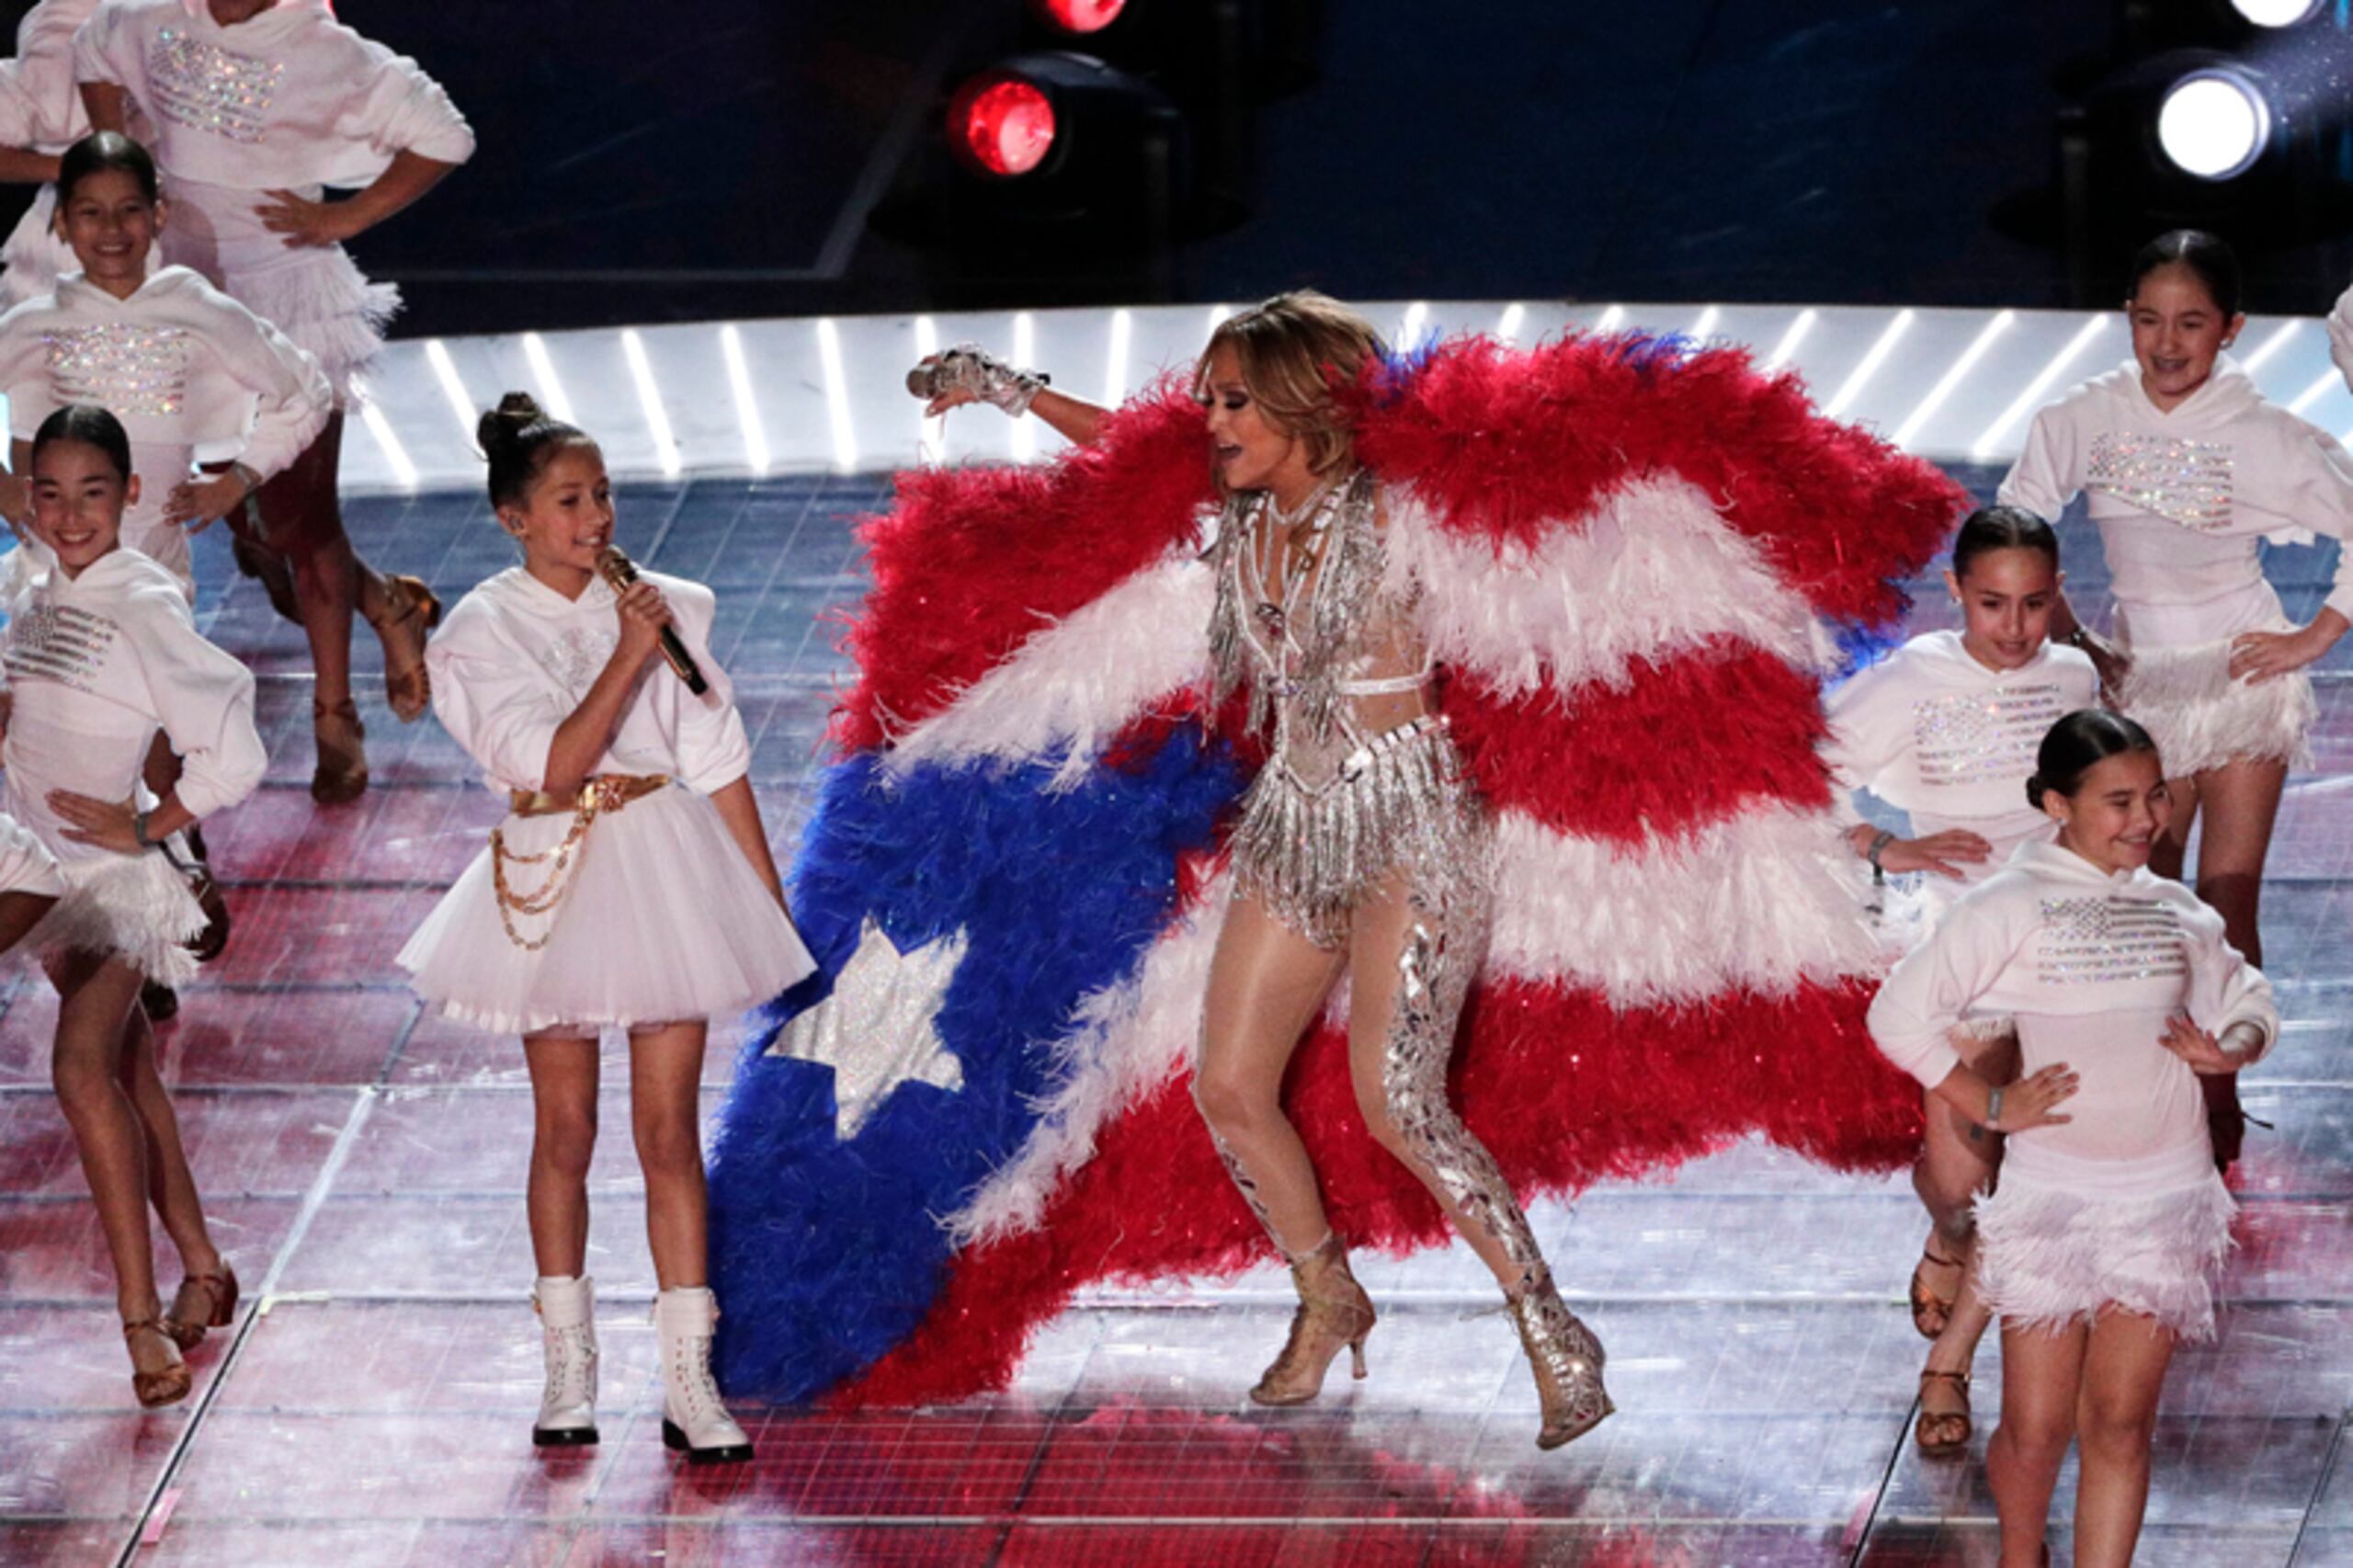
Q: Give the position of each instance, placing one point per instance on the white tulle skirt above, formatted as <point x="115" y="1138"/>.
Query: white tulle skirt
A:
<point x="2053" y="1254"/>
<point x="134" y="907"/>
<point x="665" y="921"/>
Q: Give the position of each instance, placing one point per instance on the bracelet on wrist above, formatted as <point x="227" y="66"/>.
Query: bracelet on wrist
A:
<point x="138" y="830"/>
<point x="1993" y="1122"/>
<point x="1880" y="841"/>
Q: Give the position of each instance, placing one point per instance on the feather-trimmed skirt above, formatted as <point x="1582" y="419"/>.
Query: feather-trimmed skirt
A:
<point x="2182" y="692"/>
<point x="2146" y="1236"/>
<point x="663" y="920"/>
<point x="134" y="907"/>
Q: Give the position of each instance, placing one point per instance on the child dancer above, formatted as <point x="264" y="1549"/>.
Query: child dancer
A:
<point x="2187" y="468"/>
<point x="101" y="651"/>
<point x="1946" y="727"/>
<point x="257" y="106"/>
<point x="629" y="888"/>
<point x="40" y="115"/>
<point x="2098" y="1250"/>
<point x="188" y="371"/>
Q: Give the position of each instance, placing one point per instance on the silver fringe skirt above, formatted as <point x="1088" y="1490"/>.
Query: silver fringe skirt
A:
<point x="1309" y="852"/>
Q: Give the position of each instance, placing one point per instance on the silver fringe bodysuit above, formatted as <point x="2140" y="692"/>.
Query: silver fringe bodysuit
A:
<point x="1343" y="807"/>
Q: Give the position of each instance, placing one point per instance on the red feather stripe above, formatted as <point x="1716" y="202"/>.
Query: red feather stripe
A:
<point x="969" y="562"/>
<point x="1689" y="742"/>
<point x="1514" y="443"/>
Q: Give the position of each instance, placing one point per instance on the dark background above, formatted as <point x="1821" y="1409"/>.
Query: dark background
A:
<point x="710" y="158"/>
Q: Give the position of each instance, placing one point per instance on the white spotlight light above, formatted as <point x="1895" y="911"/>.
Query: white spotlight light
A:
<point x="2213" y="124"/>
<point x="2275" y="13"/>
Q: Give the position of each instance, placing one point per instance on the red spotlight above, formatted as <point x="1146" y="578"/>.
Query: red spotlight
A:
<point x="1080" y="16"/>
<point x="1002" y="125"/>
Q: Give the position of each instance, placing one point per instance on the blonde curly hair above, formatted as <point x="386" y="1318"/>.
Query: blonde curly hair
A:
<point x="1291" y="350"/>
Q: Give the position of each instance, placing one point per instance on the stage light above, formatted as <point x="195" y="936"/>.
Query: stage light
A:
<point x="1079" y="15"/>
<point x="2213" y="124"/>
<point x="2275" y="13"/>
<point x="1002" y="125"/>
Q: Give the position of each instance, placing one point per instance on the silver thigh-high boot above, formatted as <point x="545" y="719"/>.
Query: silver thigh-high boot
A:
<point x="693" y="1417"/>
<point x="567" y="1309"/>
<point x="1444" y="941"/>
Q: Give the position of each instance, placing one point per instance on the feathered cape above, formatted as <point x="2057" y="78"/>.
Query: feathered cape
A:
<point x="1636" y="561"/>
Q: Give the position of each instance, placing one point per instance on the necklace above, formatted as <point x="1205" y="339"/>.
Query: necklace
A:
<point x="1299" y="536"/>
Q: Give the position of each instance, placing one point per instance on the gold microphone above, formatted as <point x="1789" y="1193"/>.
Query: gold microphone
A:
<point x="620" y="572"/>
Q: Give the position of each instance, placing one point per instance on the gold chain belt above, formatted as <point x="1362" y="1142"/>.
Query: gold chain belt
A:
<point x="604" y="792"/>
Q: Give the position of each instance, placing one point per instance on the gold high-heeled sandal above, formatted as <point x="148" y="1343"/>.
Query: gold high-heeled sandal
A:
<point x="168" y="1385"/>
<point x="1333" y="1312"/>
<point x="1566" y="1358"/>
<point x="1941" y="1432"/>
<point x="218" y="1288"/>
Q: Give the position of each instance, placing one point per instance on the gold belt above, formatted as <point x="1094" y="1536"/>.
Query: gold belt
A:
<point x="602" y="793"/>
<point x="611" y="791"/>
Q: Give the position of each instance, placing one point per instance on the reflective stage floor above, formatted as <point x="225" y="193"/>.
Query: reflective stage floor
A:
<point x="365" y="1165"/>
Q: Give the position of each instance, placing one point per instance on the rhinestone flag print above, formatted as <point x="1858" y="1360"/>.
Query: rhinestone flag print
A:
<point x="2189" y="481"/>
<point x="1969" y="737"/>
<point x="1028" y="764"/>
<point x="205" y="88"/>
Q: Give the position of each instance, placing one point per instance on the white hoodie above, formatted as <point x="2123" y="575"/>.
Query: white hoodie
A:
<point x="2182" y="497"/>
<point x="2092" y="965"/>
<point x="96" y="664"/>
<point x="288" y="99"/>
<point x="1951" y="742"/>
<point x="516" y="658"/>
<point x="193" y="375"/>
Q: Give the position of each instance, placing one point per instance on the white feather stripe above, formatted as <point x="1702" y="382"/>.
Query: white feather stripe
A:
<point x="1651" y="571"/>
<point x="1074" y="683"/>
<point x="1764" y="901"/>
<point x="1130" y="1039"/>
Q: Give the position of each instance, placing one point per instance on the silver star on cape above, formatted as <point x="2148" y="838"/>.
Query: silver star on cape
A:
<point x="876" y="1028"/>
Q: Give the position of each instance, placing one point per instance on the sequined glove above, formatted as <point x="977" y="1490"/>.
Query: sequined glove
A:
<point x="970" y="369"/>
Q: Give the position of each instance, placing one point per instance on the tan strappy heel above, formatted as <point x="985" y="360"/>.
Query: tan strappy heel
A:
<point x="185" y="1326"/>
<point x="1941" y="1432"/>
<point x="1334" y="1313"/>
<point x="341" y="776"/>
<point x="410" y="610"/>
<point x="1931" y="1312"/>
<point x="168" y="1386"/>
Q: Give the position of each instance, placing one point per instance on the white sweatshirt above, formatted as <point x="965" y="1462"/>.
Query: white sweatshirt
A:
<point x="96" y="663"/>
<point x="1932" y="730"/>
<point x="40" y="107"/>
<point x="289" y="99"/>
<point x="516" y="658"/>
<point x="193" y="375"/>
<point x="2092" y="965"/>
<point x="2182" y="497"/>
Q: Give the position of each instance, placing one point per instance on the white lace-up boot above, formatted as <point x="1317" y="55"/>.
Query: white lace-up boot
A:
<point x="693" y="1419"/>
<point x="567" y="1310"/>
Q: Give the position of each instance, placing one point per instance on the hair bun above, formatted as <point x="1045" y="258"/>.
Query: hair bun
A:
<point x="2035" y="790"/>
<point x="503" y="426"/>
